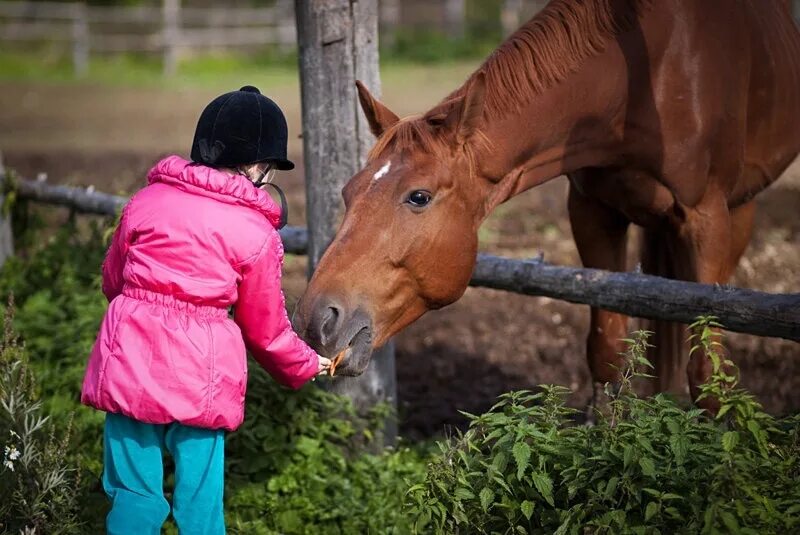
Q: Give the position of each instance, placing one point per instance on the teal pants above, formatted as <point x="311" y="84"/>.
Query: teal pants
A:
<point x="133" y="477"/>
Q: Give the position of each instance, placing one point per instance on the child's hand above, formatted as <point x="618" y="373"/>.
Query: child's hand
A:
<point x="324" y="365"/>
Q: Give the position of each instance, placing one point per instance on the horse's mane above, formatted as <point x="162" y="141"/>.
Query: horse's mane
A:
<point x="406" y="133"/>
<point x="549" y="47"/>
<point x="540" y="54"/>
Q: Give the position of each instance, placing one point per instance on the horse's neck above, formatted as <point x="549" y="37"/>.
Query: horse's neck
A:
<point x="569" y="126"/>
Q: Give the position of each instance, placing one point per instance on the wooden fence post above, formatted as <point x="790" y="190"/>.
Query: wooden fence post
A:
<point x="80" y="39"/>
<point x="171" y="22"/>
<point x="6" y="235"/>
<point x="338" y="43"/>
<point x="455" y="16"/>
<point x="284" y="24"/>
<point x="389" y="20"/>
<point x="510" y="14"/>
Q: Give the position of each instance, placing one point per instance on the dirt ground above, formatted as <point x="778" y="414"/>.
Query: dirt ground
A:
<point x="459" y="358"/>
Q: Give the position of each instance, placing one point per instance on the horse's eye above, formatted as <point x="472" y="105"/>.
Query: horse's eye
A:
<point x="419" y="198"/>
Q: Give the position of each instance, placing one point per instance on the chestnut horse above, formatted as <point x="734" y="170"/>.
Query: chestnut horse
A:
<point x="670" y="115"/>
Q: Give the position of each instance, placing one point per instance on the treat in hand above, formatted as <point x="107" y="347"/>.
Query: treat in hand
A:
<point x="323" y="366"/>
<point x="336" y="360"/>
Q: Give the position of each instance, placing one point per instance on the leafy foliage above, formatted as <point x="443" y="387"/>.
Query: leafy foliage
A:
<point x="297" y="465"/>
<point x="37" y="481"/>
<point x="648" y="466"/>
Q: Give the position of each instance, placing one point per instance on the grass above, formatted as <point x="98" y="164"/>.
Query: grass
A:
<point x="131" y="70"/>
<point x="209" y="71"/>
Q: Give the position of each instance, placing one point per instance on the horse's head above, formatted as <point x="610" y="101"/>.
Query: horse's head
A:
<point x="408" y="241"/>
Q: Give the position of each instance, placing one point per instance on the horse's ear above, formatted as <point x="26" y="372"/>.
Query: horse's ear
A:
<point x="471" y="111"/>
<point x="378" y="116"/>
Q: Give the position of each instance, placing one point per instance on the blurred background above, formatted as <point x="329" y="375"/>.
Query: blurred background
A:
<point x="94" y="93"/>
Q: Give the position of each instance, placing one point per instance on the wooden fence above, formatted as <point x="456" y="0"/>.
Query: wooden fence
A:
<point x="171" y="29"/>
<point x="634" y="294"/>
<point x="168" y="29"/>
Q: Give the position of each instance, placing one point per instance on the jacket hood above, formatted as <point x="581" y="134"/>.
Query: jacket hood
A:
<point x="209" y="182"/>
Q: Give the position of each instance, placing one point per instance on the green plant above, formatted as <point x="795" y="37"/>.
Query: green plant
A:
<point x="648" y="466"/>
<point x="297" y="466"/>
<point x="755" y="483"/>
<point x="37" y="480"/>
<point x="298" y="463"/>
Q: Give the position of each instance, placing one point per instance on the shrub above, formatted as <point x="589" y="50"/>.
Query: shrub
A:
<point x="297" y="465"/>
<point x="648" y="466"/>
<point x="37" y="480"/>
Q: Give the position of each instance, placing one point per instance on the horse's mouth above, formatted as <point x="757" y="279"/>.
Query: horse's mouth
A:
<point x="354" y="359"/>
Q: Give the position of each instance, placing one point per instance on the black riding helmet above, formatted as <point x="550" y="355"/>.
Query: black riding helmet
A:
<point x="239" y="128"/>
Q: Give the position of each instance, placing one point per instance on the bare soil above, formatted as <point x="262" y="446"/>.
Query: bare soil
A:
<point x="459" y="358"/>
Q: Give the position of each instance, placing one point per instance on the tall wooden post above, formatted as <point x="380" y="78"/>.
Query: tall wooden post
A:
<point x="455" y="17"/>
<point x="170" y="11"/>
<point x="510" y="15"/>
<point x="338" y="42"/>
<point x="80" y="39"/>
<point x="389" y="20"/>
<point x="284" y="27"/>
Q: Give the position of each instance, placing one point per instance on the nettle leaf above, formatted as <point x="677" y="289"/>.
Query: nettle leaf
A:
<point x="527" y="509"/>
<point x="730" y="521"/>
<point x="500" y="461"/>
<point x="611" y="487"/>
<point x="652" y="509"/>
<point x="544" y="485"/>
<point x="729" y="440"/>
<point x="647" y="466"/>
<point x="673" y="426"/>
<point x="522" y="456"/>
<point x="500" y="481"/>
<point x="464" y="494"/>
<point x="694" y="413"/>
<point x="486" y="495"/>
<point x="493" y="435"/>
<point x="646" y="444"/>
<point x="724" y="409"/>
<point x="422" y="520"/>
<point x="759" y="435"/>
<point x="679" y="446"/>
<point x="627" y="456"/>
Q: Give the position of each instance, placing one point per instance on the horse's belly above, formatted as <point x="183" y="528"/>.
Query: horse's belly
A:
<point x="641" y="198"/>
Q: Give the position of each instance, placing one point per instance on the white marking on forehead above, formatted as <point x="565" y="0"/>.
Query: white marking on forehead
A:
<point x="382" y="171"/>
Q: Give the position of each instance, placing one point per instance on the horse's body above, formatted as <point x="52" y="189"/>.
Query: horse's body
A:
<point x="669" y="114"/>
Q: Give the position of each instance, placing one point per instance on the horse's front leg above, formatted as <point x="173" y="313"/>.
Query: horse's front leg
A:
<point x="708" y="243"/>
<point x="601" y="235"/>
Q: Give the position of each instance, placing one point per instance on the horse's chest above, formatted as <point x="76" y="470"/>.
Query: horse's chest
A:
<point x="641" y="198"/>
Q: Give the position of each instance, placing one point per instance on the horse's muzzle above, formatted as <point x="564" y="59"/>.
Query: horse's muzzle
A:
<point x="330" y="328"/>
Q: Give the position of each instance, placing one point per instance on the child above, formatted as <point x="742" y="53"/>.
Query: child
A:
<point x="169" y="366"/>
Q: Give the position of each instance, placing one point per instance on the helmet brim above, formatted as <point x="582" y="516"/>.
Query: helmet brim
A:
<point x="282" y="164"/>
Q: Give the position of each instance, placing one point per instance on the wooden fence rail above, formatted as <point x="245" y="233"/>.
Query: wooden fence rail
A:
<point x="169" y="29"/>
<point x="634" y="294"/>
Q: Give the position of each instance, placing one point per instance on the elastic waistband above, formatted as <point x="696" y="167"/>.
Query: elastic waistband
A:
<point x="172" y="302"/>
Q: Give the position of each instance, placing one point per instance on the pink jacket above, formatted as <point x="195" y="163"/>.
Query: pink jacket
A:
<point x="191" y="244"/>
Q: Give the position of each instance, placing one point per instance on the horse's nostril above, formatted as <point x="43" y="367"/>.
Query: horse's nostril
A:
<point x="330" y="323"/>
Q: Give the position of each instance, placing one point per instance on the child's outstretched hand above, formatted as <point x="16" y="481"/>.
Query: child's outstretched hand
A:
<point x="324" y="365"/>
